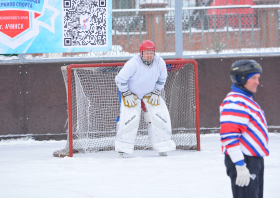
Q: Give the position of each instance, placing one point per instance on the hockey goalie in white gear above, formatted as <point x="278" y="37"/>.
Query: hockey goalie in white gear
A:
<point x="141" y="82"/>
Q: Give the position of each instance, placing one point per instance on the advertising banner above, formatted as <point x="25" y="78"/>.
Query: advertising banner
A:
<point x="54" y="26"/>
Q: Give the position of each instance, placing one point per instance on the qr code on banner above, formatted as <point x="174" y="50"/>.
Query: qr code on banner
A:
<point x="84" y="23"/>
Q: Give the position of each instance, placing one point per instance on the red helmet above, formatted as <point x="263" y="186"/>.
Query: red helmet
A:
<point x="147" y="45"/>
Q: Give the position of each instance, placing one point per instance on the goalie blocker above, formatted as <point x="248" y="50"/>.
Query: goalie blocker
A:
<point x="159" y="126"/>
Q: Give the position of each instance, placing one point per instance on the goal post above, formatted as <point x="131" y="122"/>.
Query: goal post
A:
<point x="92" y="117"/>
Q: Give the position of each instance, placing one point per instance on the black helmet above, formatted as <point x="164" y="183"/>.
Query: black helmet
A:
<point x="240" y="69"/>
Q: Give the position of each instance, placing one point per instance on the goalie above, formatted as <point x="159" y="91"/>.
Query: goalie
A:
<point x="140" y="82"/>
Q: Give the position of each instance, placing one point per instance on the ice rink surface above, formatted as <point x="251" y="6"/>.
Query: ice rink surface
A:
<point x="28" y="170"/>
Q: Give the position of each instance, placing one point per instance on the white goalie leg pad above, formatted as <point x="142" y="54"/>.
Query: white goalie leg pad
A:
<point x="127" y="128"/>
<point x="160" y="128"/>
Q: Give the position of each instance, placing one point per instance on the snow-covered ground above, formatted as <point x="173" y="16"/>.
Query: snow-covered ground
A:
<point x="28" y="169"/>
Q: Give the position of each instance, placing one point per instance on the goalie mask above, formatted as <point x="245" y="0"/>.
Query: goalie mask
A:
<point x="147" y="52"/>
<point x="240" y="69"/>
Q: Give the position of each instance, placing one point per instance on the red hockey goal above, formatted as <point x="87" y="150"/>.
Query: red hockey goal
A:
<point x="93" y="107"/>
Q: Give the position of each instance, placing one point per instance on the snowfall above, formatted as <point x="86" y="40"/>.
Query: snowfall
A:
<point x="28" y="169"/>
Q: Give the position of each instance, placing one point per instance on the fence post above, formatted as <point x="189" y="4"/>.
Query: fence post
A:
<point x="268" y="18"/>
<point x="178" y="29"/>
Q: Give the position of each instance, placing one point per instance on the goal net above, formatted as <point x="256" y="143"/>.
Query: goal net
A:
<point x="93" y="107"/>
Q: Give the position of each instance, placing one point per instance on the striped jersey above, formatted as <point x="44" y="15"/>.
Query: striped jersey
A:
<point x="243" y="126"/>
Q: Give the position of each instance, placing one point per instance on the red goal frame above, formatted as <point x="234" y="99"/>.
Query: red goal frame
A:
<point x="178" y="61"/>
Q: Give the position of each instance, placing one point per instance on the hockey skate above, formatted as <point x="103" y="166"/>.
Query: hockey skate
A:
<point x="121" y="154"/>
<point x="164" y="154"/>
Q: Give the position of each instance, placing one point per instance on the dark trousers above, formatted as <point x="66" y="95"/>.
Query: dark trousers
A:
<point x="255" y="188"/>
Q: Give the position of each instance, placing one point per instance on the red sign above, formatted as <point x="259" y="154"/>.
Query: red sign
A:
<point x="14" y="22"/>
<point x="231" y="10"/>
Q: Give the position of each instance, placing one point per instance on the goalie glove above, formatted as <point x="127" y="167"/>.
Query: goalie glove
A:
<point x="129" y="99"/>
<point x="153" y="97"/>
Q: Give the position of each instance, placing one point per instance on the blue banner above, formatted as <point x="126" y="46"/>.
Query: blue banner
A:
<point x="53" y="26"/>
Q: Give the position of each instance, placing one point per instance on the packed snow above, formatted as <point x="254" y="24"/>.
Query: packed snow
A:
<point x="28" y="169"/>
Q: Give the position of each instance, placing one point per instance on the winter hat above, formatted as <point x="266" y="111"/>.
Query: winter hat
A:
<point x="251" y="74"/>
<point x="248" y="76"/>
